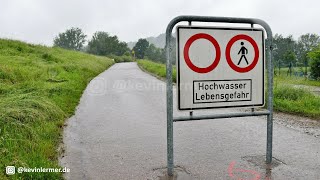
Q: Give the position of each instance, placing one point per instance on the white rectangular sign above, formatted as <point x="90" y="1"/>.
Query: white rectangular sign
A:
<point x="220" y="67"/>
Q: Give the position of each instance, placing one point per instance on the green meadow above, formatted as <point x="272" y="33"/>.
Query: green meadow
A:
<point x="287" y="98"/>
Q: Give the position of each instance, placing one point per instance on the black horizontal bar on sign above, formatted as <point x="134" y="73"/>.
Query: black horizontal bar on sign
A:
<point x="220" y="116"/>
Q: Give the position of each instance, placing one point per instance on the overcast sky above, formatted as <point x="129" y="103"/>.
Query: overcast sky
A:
<point x="39" y="21"/>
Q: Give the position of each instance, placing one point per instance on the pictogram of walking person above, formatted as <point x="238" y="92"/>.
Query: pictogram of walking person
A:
<point x="243" y="52"/>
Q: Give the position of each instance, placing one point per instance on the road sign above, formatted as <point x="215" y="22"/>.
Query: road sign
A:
<point x="220" y="67"/>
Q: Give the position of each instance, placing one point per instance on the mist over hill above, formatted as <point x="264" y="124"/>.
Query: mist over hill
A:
<point x="159" y="41"/>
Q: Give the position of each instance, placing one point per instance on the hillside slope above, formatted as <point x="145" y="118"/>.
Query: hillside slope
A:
<point x="39" y="88"/>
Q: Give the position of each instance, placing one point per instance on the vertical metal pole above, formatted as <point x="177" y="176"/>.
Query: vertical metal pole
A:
<point x="270" y="103"/>
<point x="169" y="107"/>
<point x="252" y="26"/>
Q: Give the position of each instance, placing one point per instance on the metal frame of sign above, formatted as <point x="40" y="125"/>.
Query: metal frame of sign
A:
<point x="169" y="92"/>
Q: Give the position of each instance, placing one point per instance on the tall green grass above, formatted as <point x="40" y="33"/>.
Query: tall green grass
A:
<point x="157" y="69"/>
<point x="296" y="101"/>
<point x="39" y="88"/>
<point x="286" y="99"/>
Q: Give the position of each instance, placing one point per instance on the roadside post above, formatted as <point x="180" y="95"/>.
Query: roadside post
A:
<point x="219" y="67"/>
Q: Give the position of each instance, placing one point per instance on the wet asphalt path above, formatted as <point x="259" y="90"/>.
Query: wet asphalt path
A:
<point x="119" y="132"/>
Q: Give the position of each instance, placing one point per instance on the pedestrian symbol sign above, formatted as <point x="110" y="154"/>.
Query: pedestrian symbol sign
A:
<point x="220" y="67"/>
<point x="243" y="52"/>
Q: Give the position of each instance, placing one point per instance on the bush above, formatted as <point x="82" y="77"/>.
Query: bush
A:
<point x="315" y="64"/>
<point x="127" y="53"/>
<point x="120" y="59"/>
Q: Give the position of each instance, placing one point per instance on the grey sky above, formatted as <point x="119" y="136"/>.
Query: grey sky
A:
<point x="39" y="21"/>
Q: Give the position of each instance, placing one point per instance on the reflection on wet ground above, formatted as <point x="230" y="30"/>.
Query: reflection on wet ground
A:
<point x="251" y="167"/>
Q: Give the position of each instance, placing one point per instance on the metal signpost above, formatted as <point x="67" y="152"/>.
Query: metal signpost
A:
<point x="219" y="68"/>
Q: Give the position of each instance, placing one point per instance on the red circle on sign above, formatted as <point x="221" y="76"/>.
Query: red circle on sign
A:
<point x="188" y="60"/>
<point x="256" y="53"/>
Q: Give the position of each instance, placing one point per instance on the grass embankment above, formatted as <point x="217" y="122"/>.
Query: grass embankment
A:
<point x="286" y="98"/>
<point x="156" y="69"/>
<point x="39" y="88"/>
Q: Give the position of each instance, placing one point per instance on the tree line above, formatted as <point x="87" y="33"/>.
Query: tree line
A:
<point x="103" y="44"/>
<point x="294" y="53"/>
<point x="288" y="52"/>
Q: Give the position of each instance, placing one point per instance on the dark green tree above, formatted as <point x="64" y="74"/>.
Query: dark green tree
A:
<point x="307" y="43"/>
<point x="72" y="39"/>
<point x="173" y="51"/>
<point x="140" y="48"/>
<point x="154" y="53"/>
<point x="314" y="55"/>
<point x="289" y="58"/>
<point x="300" y="54"/>
<point x="122" y="48"/>
<point x="283" y="45"/>
<point x="103" y="44"/>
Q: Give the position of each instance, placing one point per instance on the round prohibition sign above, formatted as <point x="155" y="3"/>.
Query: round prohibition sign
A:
<point x="256" y="53"/>
<point x="188" y="60"/>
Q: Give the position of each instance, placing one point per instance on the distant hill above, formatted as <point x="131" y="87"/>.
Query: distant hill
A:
<point x="159" y="41"/>
<point x="131" y="44"/>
